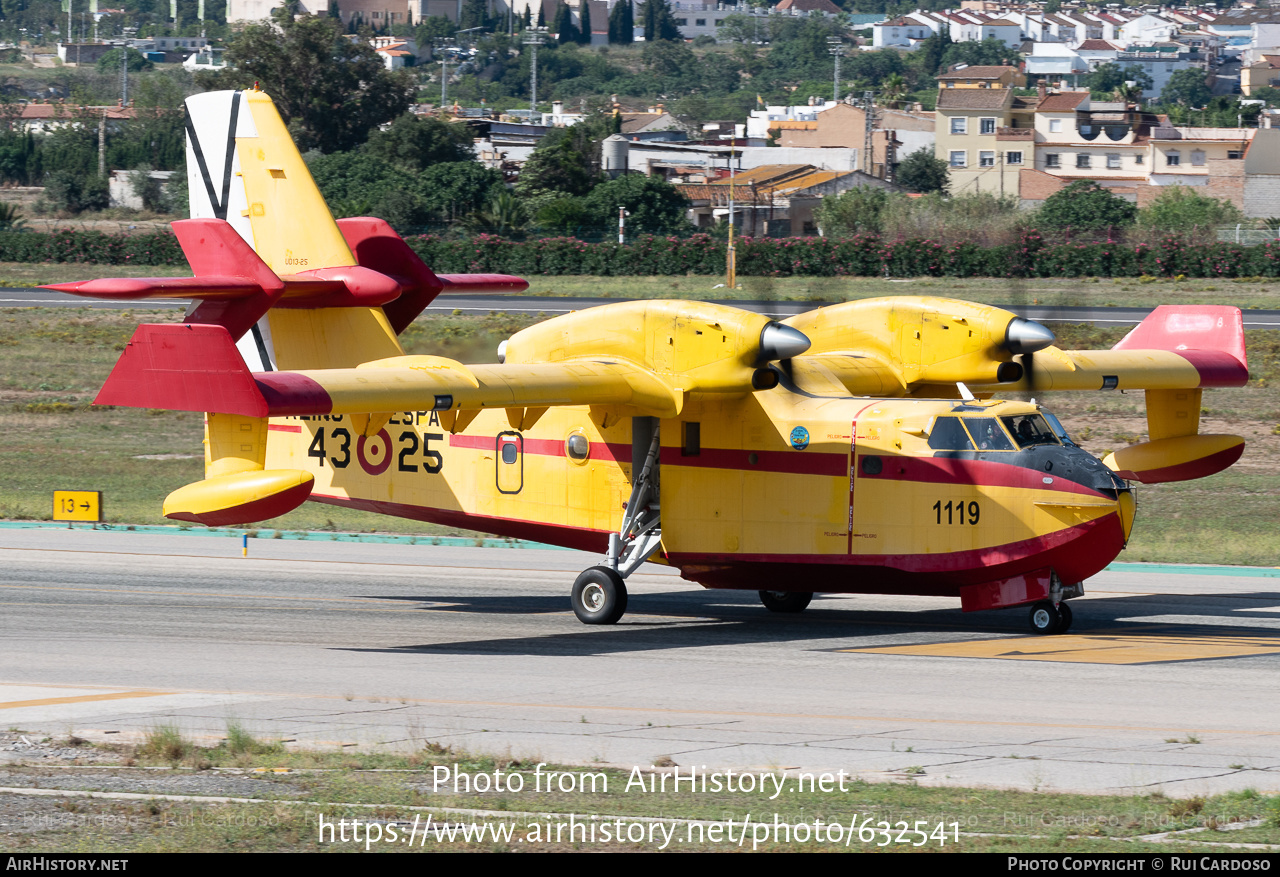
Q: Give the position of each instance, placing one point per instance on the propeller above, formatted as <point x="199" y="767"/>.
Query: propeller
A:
<point x="1022" y="338"/>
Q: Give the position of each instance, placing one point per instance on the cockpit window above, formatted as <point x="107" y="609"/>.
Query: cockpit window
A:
<point x="948" y="435"/>
<point x="988" y="435"/>
<point x="1029" y="430"/>
<point x="1058" y="429"/>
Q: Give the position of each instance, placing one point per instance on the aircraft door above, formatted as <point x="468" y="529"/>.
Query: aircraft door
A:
<point x="509" y="460"/>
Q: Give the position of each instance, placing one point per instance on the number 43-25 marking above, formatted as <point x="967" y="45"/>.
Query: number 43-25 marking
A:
<point x="338" y="451"/>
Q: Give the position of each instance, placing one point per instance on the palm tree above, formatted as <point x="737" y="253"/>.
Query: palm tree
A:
<point x="503" y="214"/>
<point x="1128" y="93"/>
<point x="893" y="89"/>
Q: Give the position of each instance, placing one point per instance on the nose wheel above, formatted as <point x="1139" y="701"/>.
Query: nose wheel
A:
<point x="1047" y="619"/>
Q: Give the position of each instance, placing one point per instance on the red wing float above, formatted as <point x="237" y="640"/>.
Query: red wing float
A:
<point x="851" y="449"/>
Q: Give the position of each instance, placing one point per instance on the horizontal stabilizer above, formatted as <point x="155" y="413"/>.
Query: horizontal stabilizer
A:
<point x="482" y="283"/>
<point x="182" y="367"/>
<point x="377" y="246"/>
<point x="134" y="288"/>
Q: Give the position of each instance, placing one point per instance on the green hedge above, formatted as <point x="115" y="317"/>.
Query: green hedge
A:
<point x="864" y="256"/>
<point x="158" y="248"/>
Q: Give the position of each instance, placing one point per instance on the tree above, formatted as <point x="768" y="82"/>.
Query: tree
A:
<point x="893" y="89"/>
<point x="75" y="193"/>
<point x="434" y="27"/>
<point x="654" y="205"/>
<point x="474" y="14"/>
<point x="929" y="55"/>
<point x="416" y="142"/>
<point x="503" y="214"/>
<point x="922" y="172"/>
<point x="857" y="211"/>
<point x="622" y="23"/>
<point x="566" y="161"/>
<point x="659" y="23"/>
<point x="557" y="167"/>
<point x="110" y="62"/>
<point x="1085" y="205"/>
<point x="566" y="31"/>
<point x="1109" y="78"/>
<point x="1179" y="208"/>
<point x="584" y="28"/>
<point x="1267" y="93"/>
<point x="1188" y="88"/>
<point x="330" y="90"/>
<point x="566" y="215"/>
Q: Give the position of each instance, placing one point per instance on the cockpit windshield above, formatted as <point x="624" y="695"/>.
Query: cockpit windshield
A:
<point x="1058" y="429"/>
<point x="988" y="435"/>
<point x="1029" y="430"/>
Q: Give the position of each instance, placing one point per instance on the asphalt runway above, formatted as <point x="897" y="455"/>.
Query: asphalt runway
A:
<point x="1167" y="681"/>
<point x="550" y="307"/>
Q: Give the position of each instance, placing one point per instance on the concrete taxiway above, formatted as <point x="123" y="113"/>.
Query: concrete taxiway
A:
<point x="1167" y="680"/>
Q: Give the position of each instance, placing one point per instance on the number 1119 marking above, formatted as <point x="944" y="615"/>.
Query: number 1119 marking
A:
<point x="955" y="512"/>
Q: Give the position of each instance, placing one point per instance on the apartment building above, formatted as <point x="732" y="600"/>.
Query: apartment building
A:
<point x="985" y="137"/>
<point x="995" y="141"/>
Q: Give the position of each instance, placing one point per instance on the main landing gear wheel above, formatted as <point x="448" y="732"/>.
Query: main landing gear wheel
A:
<point x="785" y="601"/>
<point x="599" y="596"/>
<point x="1045" y="619"/>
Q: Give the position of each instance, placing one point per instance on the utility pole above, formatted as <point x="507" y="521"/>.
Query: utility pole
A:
<point x="836" y="49"/>
<point x="444" y="74"/>
<point x="869" y="108"/>
<point x="533" y="38"/>
<point x="124" y="75"/>
<point x="731" y="254"/>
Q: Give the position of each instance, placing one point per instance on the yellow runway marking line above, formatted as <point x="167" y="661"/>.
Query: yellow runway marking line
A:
<point x="82" y="698"/>
<point x="1095" y="649"/>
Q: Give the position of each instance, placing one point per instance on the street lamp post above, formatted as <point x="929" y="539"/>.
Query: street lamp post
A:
<point x="533" y="38"/>
<point x="731" y="254"/>
<point x="444" y="75"/>
<point x="835" y="47"/>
